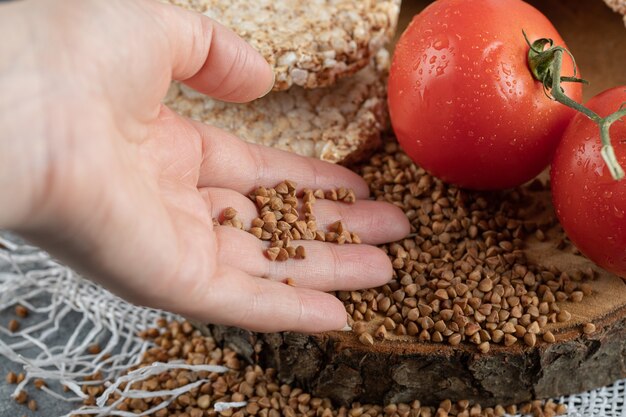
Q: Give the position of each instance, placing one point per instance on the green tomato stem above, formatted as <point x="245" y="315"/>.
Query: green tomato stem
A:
<point x="546" y="66"/>
<point x="557" y="91"/>
<point x="608" y="152"/>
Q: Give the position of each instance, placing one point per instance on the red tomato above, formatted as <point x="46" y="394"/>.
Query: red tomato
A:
<point x="589" y="203"/>
<point x="463" y="102"/>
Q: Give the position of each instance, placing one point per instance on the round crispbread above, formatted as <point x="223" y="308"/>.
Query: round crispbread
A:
<point x="310" y="44"/>
<point x="336" y="124"/>
<point x="617" y="5"/>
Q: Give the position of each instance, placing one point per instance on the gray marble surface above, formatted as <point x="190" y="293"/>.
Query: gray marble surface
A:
<point x="48" y="406"/>
<point x="128" y="319"/>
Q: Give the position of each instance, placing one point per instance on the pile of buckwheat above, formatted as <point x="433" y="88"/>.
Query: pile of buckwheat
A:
<point x="280" y="222"/>
<point x="461" y="275"/>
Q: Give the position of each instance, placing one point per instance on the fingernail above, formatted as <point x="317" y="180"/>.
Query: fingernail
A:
<point x="346" y="328"/>
<point x="271" y="85"/>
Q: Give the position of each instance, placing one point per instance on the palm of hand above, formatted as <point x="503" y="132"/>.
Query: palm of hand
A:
<point x="138" y="218"/>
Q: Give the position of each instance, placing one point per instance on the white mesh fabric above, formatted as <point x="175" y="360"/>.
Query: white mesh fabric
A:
<point x="604" y="402"/>
<point x="53" y="292"/>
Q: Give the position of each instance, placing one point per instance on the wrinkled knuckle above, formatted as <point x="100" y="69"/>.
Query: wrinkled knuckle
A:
<point x="234" y="80"/>
<point x="300" y="313"/>
<point x="202" y="35"/>
<point x="194" y="30"/>
<point x="258" y="161"/>
<point x="316" y="175"/>
<point x="335" y="261"/>
<point x="249" y="310"/>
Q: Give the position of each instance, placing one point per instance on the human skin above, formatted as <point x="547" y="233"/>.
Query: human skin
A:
<point x="94" y="169"/>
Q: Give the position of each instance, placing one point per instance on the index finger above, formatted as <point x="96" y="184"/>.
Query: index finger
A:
<point x="229" y="162"/>
<point x="210" y="58"/>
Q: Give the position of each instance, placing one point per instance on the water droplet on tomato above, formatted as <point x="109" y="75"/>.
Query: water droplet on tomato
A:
<point x="598" y="169"/>
<point x="441" y="43"/>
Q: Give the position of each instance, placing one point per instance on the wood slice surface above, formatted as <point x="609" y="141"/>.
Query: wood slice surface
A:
<point x="401" y="369"/>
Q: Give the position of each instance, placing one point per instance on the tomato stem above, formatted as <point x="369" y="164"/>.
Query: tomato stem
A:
<point x="546" y="66"/>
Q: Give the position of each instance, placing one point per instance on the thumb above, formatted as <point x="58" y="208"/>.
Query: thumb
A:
<point x="210" y="58"/>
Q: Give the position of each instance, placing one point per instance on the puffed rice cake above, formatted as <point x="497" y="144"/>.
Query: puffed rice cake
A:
<point x="617" y="5"/>
<point x="338" y="124"/>
<point x="310" y="43"/>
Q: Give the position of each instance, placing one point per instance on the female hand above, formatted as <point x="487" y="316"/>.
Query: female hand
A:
<point x="97" y="171"/>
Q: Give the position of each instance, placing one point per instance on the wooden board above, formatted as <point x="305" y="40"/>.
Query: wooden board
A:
<point x="401" y="369"/>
